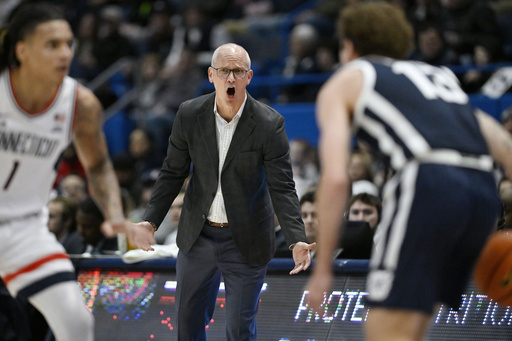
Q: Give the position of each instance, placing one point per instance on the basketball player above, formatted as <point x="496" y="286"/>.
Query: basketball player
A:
<point x="41" y="109"/>
<point x="440" y="203"/>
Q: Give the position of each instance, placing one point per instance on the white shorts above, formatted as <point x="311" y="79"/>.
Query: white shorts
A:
<point x="31" y="258"/>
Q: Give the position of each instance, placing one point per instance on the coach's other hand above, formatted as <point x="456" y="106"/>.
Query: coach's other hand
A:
<point x="301" y="256"/>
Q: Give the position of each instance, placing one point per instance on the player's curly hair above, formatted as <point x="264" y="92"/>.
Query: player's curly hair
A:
<point x="376" y="28"/>
<point x="22" y="21"/>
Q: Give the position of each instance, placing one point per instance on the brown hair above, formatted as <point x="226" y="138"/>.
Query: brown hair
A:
<point x="367" y="199"/>
<point x="377" y="28"/>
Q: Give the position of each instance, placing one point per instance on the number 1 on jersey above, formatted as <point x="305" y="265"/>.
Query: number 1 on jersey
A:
<point x="11" y="175"/>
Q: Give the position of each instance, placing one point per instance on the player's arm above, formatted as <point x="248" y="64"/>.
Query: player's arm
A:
<point x="335" y="104"/>
<point x="92" y="151"/>
<point x="498" y="139"/>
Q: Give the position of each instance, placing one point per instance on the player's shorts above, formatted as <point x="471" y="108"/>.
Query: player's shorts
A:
<point x="435" y="221"/>
<point x="31" y="258"/>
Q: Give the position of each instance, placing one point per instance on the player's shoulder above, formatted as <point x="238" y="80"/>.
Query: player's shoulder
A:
<point x="86" y="100"/>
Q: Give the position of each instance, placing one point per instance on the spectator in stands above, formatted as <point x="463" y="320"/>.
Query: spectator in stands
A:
<point x="84" y="66"/>
<point x="89" y="219"/>
<point x="361" y="173"/>
<point x="473" y="79"/>
<point x="146" y="79"/>
<point x="198" y="32"/>
<point x="111" y="45"/>
<point x="242" y="9"/>
<point x="148" y="181"/>
<point x="360" y="224"/>
<point x="364" y="186"/>
<point x="301" y="59"/>
<point x="327" y="56"/>
<point x="153" y="109"/>
<point x="365" y="207"/>
<point x="431" y="47"/>
<point x="74" y="187"/>
<point x="157" y="36"/>
<point x="304" y="164"/>
<point x="69" y="164"/>
<point x="470" y="23"/>
<point x="182" y="80"/>
<point x="308" y="210"/>
<point x="167" y="230"/>
<point x="308" y="213"/>
<point x="142" y="149"/>
<point x="62" y="222"/>
<point x="322" y="16"/>
<point x="503" y="11"/>
<point x="128" y="176"/>
<point x="421" y="12"/>
<point x="174" y="218"/>
<point x="360" y="166"/>
<point x="249" y="22"/>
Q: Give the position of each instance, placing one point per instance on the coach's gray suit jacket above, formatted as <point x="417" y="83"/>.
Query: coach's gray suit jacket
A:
<point x="256" y="178"/>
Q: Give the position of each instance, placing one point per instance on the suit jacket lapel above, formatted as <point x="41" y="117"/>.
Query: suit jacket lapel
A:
<point x="209" y="132"/>
<point x="243" y="130"/>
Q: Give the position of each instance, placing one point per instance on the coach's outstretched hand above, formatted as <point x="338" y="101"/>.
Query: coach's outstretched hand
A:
<point x="301" y="256"/>
<point x="139" y="235"/>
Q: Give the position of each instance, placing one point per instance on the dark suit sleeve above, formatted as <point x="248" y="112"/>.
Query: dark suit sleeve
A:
<point x="175" y="169"/>
<point x="281" y="185"/>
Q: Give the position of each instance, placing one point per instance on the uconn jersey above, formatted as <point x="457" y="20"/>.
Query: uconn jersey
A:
<point x="412" y="110"/>
<point x="30" y="147"/>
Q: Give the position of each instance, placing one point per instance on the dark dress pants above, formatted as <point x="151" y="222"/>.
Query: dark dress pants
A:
<point x="199" y="274"/>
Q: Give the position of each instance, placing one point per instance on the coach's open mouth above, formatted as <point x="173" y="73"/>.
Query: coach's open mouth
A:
<point x="231" y="92"/>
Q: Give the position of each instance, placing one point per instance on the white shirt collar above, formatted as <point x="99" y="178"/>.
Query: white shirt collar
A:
<point x="239" y="112"/>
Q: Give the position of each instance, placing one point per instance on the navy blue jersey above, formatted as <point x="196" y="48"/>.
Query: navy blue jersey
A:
<point x="440" y="203"/>
<point x="409" y="110"/>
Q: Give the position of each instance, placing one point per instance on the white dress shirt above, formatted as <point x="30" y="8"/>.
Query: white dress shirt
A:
<point x="225" y="131"/>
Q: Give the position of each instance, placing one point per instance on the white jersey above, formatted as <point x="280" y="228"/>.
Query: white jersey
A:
<point x="30" y="147"/>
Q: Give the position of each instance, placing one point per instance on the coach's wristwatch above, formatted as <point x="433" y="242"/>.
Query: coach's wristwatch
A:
<point x="154" y="226"/>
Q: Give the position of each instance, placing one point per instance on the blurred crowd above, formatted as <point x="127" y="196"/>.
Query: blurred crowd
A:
<point x="172" y="41"/>
<point x="167" y="47"/>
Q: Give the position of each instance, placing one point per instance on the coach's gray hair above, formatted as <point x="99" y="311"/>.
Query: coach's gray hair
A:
<point x="233" y="47"/>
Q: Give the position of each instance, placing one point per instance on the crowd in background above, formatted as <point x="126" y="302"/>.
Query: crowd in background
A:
<point x="169" y="44"/>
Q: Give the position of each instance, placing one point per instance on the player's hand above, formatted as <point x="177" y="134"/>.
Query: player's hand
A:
<point x="318" y="285"/>
<point x="301" y="256"/>
<point x="140" y="235"/>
